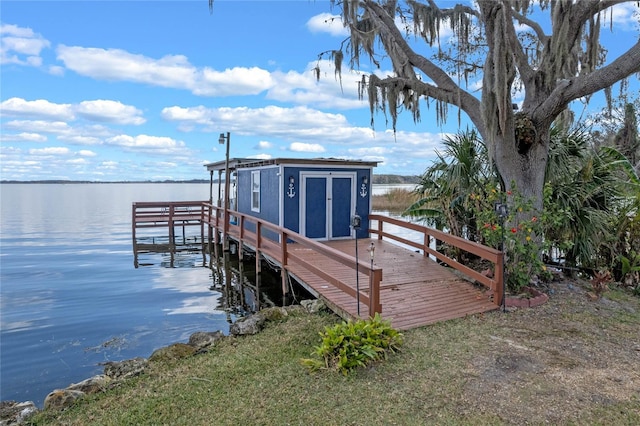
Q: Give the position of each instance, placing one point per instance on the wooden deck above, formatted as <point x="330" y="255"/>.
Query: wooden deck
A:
<point x="414" y="291"/>
<point x="405" y="285"/>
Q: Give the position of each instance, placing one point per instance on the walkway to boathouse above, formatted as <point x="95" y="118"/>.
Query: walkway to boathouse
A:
<point x="407" y="282"/>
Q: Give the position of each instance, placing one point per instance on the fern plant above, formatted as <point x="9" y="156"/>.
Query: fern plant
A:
<point x="352" y="344"/>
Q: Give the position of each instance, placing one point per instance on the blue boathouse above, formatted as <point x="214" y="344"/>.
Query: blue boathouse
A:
<point x="317" y="198"/>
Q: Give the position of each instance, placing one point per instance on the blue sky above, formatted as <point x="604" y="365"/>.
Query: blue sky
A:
<point x="140" y="90"/>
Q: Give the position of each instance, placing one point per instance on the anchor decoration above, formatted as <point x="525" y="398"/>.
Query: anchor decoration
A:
<point x="363" y="187"/>
<point x="291" y="192"/>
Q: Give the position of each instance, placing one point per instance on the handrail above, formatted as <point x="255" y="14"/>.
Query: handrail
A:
<point x="494" y="256"/>
<point x="287" y="237"/>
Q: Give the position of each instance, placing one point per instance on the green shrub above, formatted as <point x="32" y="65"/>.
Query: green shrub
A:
<point x="353" y="344"/>
<point x="522" y="234"/>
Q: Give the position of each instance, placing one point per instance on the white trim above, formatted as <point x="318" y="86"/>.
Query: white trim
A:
<point x="281" y="183"/>
<point x="259" y="191"/>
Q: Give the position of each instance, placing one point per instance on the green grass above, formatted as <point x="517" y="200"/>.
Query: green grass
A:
<point x="488" y="369"/>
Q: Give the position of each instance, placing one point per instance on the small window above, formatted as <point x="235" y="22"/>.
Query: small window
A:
<point x="255" y="191"/>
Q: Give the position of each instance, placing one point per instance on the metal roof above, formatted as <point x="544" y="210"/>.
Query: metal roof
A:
<point x="254" y="162"/>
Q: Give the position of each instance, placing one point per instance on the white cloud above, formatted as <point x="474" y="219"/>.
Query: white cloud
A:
<point x="199" y="114"/>
<point x="56" y="70"/>
<point x="22" y="137"/>
<point x="119" y="65"/>
<point x="39" y="126"/>
<point x="293" y="124"/>
<point x="176" y="72"/>
<point x="329" y="91"/>
<point x="109" y="165"/>
<point x="40" y="108"/>
<point x="77" y="161"/>
<point x="99" y="110"/>
<point x="264" y="145"/>
<point x="21" y="45"/>
<point x="54" y="150"/>
<point x="327" y="23"/>
<point x="86" y="153"/>
<point x="625" y="15"/>
<point x="80" y="139"/>
<point x="260" y="156"/>
<point x="173" y="71"/>
<point x="110" y="112"/>
<point x="236" y="81"/>
<point x="148" y="144"/>
<point x="306" y="147"/>
<point x="370" y="150"/>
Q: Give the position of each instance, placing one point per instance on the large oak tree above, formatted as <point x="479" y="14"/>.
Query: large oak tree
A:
<point x="501" y="42"/>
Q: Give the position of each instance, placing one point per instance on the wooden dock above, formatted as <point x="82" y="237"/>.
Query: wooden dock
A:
<point x="414" y="291"/>
<point x="410" y="286"/>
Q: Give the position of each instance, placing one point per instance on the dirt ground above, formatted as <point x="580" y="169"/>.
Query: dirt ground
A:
<point x="562" y="361"/>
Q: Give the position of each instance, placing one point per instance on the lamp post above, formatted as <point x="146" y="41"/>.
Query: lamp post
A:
<point x="355" y="224"/>
<point x="226" y="140"/>
<point x="502" y="211"/>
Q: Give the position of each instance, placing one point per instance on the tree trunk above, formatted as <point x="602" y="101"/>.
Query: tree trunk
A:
<point x="521" y="155"/>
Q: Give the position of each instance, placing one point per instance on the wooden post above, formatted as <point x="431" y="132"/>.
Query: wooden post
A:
<point x="284" y="274"/>
<point x="375" y="277"/>
<point x="172" y="237"/>
<point x="426" y="241"/>
<point x="133" y="235"/>
<point x="499" y="279"/>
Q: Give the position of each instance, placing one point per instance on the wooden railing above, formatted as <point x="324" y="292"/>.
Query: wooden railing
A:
<point x="158" y="213"/>
<point x="276" y="242"/>
<point x="285" y="239"/>
<point x="167" y="213"/>
<point x="492" y="255"/>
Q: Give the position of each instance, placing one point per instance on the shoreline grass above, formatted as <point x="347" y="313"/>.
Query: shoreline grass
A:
<point x="396" y="200"/>
<point x="570" y="361"/>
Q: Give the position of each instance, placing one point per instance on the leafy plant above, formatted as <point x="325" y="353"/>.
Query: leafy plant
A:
<point x="521" y="231"/>
<point x="462" y="168"/>
<point x="631" y="271"/>
<point x="600" y="282"/>
<point x="352" y="344"/>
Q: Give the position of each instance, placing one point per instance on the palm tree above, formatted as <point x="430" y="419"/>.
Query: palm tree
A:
<point x="586" y="189"/>
<point x="461" y="169"/>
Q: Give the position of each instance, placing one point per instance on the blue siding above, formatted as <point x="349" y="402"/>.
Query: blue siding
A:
<point x="291" y="211"/>
<point x="269" y="201"/>
<point x="270" y="198"/>
<point x="362" y="203"/>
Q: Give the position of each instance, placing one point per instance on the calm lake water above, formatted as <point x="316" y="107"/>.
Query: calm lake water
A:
<point x="71" y="298"/>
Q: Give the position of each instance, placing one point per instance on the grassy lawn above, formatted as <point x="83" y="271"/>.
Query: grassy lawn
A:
<point x="570" y="361"/>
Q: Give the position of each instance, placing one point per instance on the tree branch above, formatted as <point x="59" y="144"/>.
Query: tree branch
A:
<point x="526" y="72"/>
<point x="445" y="89"/>
<point x="583" y="85"/>
<point x="531" y="24"/>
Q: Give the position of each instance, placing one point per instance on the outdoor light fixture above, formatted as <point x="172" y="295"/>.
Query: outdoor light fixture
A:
<point x="363" y="187"/>
<point x="292" y="189"/>
<point x="356" y="223"/>
<point x="501" y="209"/>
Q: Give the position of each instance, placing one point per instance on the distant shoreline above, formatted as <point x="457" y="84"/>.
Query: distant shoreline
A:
<point x="101" y="182"/>
<point x="377" y="180"/>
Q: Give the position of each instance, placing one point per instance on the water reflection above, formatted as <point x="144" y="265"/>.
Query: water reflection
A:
<point x="236" y="289"/>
